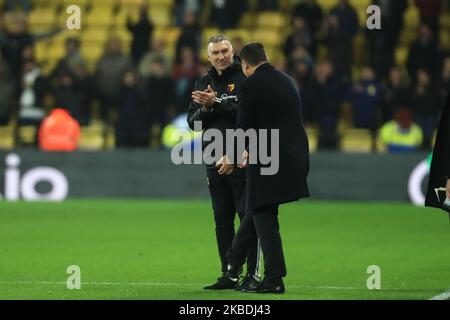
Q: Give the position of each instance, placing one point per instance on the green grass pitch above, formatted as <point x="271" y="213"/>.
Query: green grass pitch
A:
<point x="152" y="249"/>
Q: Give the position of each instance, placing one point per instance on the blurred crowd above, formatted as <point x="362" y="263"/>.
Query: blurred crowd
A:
<point x="144" y="89"/>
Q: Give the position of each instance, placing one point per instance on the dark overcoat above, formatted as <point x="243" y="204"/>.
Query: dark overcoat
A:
<point x="440" y="164"/>
<point x="269" y="99"/>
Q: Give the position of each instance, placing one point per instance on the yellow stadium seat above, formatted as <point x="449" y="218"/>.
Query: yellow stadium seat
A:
<point x="244" y="34"/>
<point x="327" y="4"/>
<point x="7" y="137"/>
<point x="94" y="36"/>
<point x="27" y="134"/>
<point x="268" y="37"/>
<point x="445" y="21"/>
<point x="271" y="19"/>
<point x="55" y="53"/>
<point x="81" y="3"/>
<point x="412" y="18"/>
<point x="445" y="38"/>
<point x="100" y="18"/>
<point x="161" y="17"/>
<point x="248" y="20"/>
<point x="91" y="138"/>
<point x="41" y="19"/>
<point x="401" y="55"/>
<point x="121" y="19"/>
<point x="92" y="52"/>
<point x="40" y="50"/>
<point x="312" y="139"/>
<point x="44" y="3"/>
<point x="356" y="141"/>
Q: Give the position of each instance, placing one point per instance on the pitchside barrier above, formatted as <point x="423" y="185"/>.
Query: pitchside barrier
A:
<point x="33" y="176"/>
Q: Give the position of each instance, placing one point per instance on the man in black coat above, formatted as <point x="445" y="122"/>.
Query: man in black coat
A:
<point x="214" y="106"/>
<point x="440" y="165"/>
<point x="269" y="100"/>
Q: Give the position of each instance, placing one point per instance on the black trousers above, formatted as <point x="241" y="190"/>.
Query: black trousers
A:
<point x="262" y="223"/>
<point x="227" y="195"/>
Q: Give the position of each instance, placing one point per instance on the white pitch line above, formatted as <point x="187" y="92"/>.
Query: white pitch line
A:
<point x="443" y="296"/>
<point x="161" y="284"/>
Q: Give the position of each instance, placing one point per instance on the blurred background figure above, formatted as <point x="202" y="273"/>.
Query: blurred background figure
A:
<point x="423" y="53"/>
<point x="340" y="27"/>
<point x="142" y="33"/>
<point x="395" y="94"/>
<point x="190" y="35"/>
<point x="382" y="43"/>
<point x="7" y="94"/>
<point x="108" y="75"/>
<point x="312" y="14"/>
<point x="132" y="126"/>
<point x="401" y="134"/>
<point x="225" y="14"/>
<point x="185" y="74"/>
<point x="365" y="96"/>
<point x="301" y="36"/>
<point x="328" y="97"/>
<point x="33" y="90"/>
<point x="425" y="104"/>
<point x="429" y="14"/>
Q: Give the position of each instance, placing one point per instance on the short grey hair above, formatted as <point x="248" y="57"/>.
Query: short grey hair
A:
<point x="218" y="38"/>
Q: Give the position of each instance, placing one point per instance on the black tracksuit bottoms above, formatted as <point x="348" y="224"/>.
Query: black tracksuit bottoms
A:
<point x="227" y="194"/>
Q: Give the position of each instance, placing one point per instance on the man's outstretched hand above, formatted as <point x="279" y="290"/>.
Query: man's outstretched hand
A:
<point x="224" y="165"/>
<point x="205" y="98"/>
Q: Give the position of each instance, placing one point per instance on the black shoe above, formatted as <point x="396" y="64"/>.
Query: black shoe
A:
<point x="249" y="284"/>
<point x="223" y="283"/>
<point x="270" y="287"/>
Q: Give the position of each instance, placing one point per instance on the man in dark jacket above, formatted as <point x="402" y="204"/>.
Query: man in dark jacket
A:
<point x="214" y="106"/>
<point x="269" y="100"/>
<point x="440" y="165"/>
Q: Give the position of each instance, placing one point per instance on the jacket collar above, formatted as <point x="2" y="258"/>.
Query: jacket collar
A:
<point x="264" y="66"/>
<point x="235" y="67"/>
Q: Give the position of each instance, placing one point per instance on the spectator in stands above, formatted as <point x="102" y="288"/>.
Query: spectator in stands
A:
<point x="382" y="43"/>
<point x="68" y="93"/>
<point x="339" y="30"/>
<point x="185" y="73"/>
<point x="395" y="93"/>
<point x="328" y="98"/>
<point x="425" y="104"/>
<point x="160" y="87"/>
<point x="423" y="54"/>
<point x="304" y="78"/>
<point x="108" y="75"/>
<point x="132" y="127"/>
<point x="190" y="35"/>
<point x="13" y="5"/>
<point x="365" y="96"/>
<point x="33" y="90"/>
<point x="444" y="81"/>
<point x="300" y="35"/>
<point x="227" y="13"/>
<point x="181" y="7"/>
<point x="429" y="14"/>
<point x="73" y="60"/>
<point x="401" y="134"/>
<point x="15" y="40"/>
<point x="156" y="52"/>
<point x="311" y="13"/>
<point x="142" y="33"/>
<point x="299" y="54"/>
<point x="7" y="91"/>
